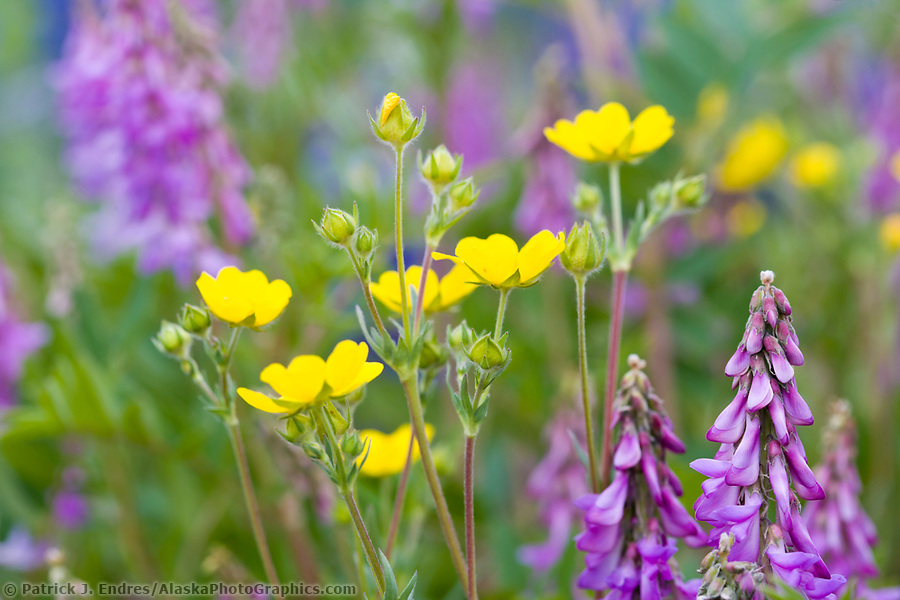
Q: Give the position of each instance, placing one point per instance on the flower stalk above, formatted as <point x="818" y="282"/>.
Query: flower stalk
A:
<point x="585" y="393"/>
<point x="469" y="494"/>
<point x="398" y="237"/>
<point x="620" y="280"/>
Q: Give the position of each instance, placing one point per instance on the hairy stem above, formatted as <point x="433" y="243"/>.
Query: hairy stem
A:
<point x="434" y="483"/>
<point x="615" y="190"/>
<point x="469" y="493"/>
<point x="585" y="395"/>
<point x="501" y="312"/>
<point x="367" y="292"/>
<point x="398" y="238"/>
<point x="420" y="300"/>
<point x="620" y="280"/>
<point x="398" y="501"/>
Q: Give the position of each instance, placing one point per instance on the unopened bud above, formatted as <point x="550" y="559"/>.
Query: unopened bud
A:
<point x="587" y="198"/>
<point x="583" y="253"/>
<point x="172" y="339"/>
<point x="690" y="192"/>
<point x="314" y="450"/>
<point x="486" y="353"/>
<point x="433" y="354"/>
<point x="351" y="445"/>
<point x="439" y="167"/>
<point x="459" y="337"/>
<point x="463" y="194"/>
<point x="195" y="320"/>
<point x="337" y="226"/>
<point x="395" y="123"/>
<point x="366" y="242"/>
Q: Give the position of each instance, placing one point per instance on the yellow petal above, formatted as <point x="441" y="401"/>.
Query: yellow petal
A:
<point x="260" y="401"/>
<point x="537" y="255"/>
<point x="568" y="137"/>
<point x="271" y="302"/>
<point x="222" y="295"/>
<point x="652" y="129"/>
<point x="344" y="365"/>
<point x="367" y="373"/>
<point x="302" y="379"/>
<point x="387" y="452"/>
<point x="387" y="290"/>
<point x="442" y="256"/>
<point x="456" y="285"/>
<point x="388" y="105"/>
<point x="606" y="128"/>
<point x="494" y="259"/>
<point x="414" y="277"/>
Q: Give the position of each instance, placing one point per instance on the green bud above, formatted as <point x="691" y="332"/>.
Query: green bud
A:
<point x="314" y="450"/>
<point x="195" y="320"/>
<point x="172" y="339"/>
<point x="395" y="124"/>
<point x="583" y="253"/>
<point x="459" y="337"/>
<point x="337" y="226"/>
<point x="433" y="354"/>
<point x="293" y="430"/>
<point x="588" y="198"/>
<point x="366" y="242"/>
<point x="690" y="192"/>
<point x="439" y="167"/>
<point x="351" y="445"/>
<point x="661" y="194"/>
<point x="486" y="353"/>
<point x="463" y="194"/>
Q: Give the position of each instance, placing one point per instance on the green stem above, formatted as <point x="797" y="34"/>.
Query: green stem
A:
<point x="585" y="397"/>
<point x="420" y="300"/>
<point x="615" y="192"/>
<point x="367" y="292"/>
<point x="501" y="312"/>
<point x="398" y="501"/>
<point x="469" y="494"/>
<point x="398" y="238"/>
<point x="434" y="483"/>
<point x="326" y="428"/>
<point x="259" y="534"/>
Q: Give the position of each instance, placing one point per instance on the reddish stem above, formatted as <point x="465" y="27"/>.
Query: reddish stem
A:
<point x="398" y="501"/>
<point x="469" y="493"/>
<point x="620" y="280"/>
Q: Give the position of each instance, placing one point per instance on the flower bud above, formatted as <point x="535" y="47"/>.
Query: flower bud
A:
<point x="583" y="253"/>
<point x="337" y="226"/>
<point x="396" y="124"/>
<point x="459" y="337"/>
<point x="439" y="167"/>
<point x="486" y="353"/>
<point x="690" y="192"/>
<point x="463" y="194"/>
<point x="366" y="242"/>
<point x="351" y="445"/>
<point x="293" y="430"/>
<point x="195" y="320"/>
<point x="314" y="450"/>
<point x="433" y="354"/>
<point x="587" y="198"/>
<point x="661" y="194"/>
<point x="172" y="339"/>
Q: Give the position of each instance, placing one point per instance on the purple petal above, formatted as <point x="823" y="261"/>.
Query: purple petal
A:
<point x="797" y="410"/>
<point x="651" y="474"/>
<point x="754" y="336"/>
<point x="796" y="459"/>
<point x="781" y="489"/>
<point x="607" y="507"/>
<point x="669" y="440"/>
<point x="628" y="452"/>
<point x="677" y="522"/>
<point x="729" y="425"/>
<point x="711" y="467"/>
<point x="745" y="464"/>
<point x="770" y="310"/>
<point x="783" y="370"/>
<point x="776" y="411"/>
<point x="739" y="362"/>
<point x="760" y="392"/>
<point x="792" y="352"/>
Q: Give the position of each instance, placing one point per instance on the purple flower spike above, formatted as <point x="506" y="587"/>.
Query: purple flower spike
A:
<point x="631" y="527"/>
<point x="739" y="362"/>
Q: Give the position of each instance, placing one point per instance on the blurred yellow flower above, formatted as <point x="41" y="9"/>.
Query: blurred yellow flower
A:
<point x="498" y="262"/>
<point x="609" y="134"/>
<point x="815" y="165"/>
<point x="753" y="154"/>
<point x="308" y="378"/>
<point x="745" y="218"/>
<point x="895" y="165"/>
<point x="439" y="294"/>
<point x="234" y="296"/>
<point x="712" y="104"/>
<point x="889" y="232"/>
<point x="387" y="452"/>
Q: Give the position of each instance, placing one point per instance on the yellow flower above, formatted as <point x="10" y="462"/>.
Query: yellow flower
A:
<point x="309" y="379"/>
<point x="609" y="134"/>
<point x="815" y="165"/>
<point x="712" y="104"/>
<point x="895" y="165"/>
<point x="753" y="154"/>
<point x="235" y="296"/>
<point x="889" y="232"/>
<point x="498" y="262"/>
<point x="746" y="218"/>
<point x="387" y="452"/>
<point x="439" y="294"/>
